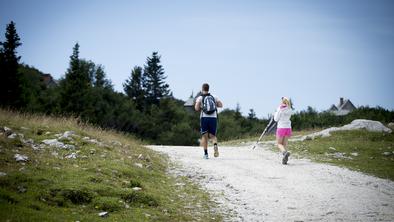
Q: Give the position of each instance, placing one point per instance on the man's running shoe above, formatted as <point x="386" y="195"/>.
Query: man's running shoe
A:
<point x="215" y="150"/>
<point x="206" y="156"/>
<point x="286" y="155"/>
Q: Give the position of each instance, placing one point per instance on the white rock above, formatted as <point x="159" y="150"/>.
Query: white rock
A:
<point x="68" y="147"/>
<point x="94" y="141"/>
<point x="136" y="188"/>
<point x="67" y="134"/>
<point x="138" y="165"/>
<point x="53" y="143"/>
<point x="12" y="136"/>
<point x="339" y="155"/>
<point x="2" y="174"/>
<point x="116" y="143"/>
<point x="103" y="214"/>
<point x="387" y="153"/>
<point x="147" y="215"/>
<point x="71" y="156"/>
<point x="369" y="125"/>
<point x="28" y="141"/>
<point x="58" y="144"/>
<point x="354" y="154"/>
<point x="21" y="158"/>
<point x="35" y="147"/>
<point x="332" y="148"/>
<point x="6" y="129"/>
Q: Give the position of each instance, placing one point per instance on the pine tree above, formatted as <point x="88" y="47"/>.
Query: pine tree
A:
<point x="237" y="114"/>
<point x="134" y="87"/>
<point x="87" y="69"/>
<point x="251" y="115"/>
<point x="75" y="85"/>
<point x="99" y="78"/>
<point x="155" y="86"/>
<point x="10" y="88"/>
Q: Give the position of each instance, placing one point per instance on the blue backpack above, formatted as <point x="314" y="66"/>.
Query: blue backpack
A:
<point x="208" y="104"/>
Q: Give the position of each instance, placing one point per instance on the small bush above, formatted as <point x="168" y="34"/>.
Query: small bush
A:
<point x="95" y="180"/>
<point x="77" y="196"/>
<point x="107" y="204"/>
<point x="7" y="197"/>
<point x="60" y="197"/>
<point x="137" y="198"/>
<point x="135" y="183"/>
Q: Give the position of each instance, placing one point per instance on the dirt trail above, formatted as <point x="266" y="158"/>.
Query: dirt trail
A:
<point x="253" y="185"/>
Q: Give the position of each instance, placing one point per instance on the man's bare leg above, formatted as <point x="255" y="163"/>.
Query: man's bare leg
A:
<point x="204" y="144"/>
<point x="215" y="145"/>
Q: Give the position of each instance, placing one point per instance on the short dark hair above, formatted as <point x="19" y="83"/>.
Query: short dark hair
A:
<point x="205" y="87"/>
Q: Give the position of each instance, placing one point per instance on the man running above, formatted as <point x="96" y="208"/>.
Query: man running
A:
<point x="208" y="104"/>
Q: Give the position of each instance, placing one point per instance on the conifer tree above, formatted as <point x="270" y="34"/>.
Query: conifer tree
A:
<point x="100" y="80"/>
<point x="237" y="114"/>
<point x="156" y="87"/>
<point x="252" y="115"/>
<point x="134" y="87"/>
<point x="75" y="85"/>
<point x="10" y="88"/>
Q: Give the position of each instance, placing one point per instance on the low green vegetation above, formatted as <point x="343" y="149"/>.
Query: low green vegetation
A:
<point x="360" y="150"/>
<point x="112" y="172"/>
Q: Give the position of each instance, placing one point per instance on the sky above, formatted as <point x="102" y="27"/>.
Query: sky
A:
<point x="250" y="52"/>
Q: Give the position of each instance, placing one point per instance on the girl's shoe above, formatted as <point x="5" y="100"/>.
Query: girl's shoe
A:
<point x="286" y="155"/>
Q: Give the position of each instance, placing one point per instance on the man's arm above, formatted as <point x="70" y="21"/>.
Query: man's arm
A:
<point x="219" y="104"/>
<point x="197" y="106"/>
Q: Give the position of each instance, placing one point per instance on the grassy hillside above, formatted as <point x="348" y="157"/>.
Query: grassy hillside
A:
<point x="93" y="171"/>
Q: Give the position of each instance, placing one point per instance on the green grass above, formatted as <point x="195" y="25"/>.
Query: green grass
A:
<point x="369" y="146"/>
<point x="368" y="150"/>
<point x="51" y="188"/>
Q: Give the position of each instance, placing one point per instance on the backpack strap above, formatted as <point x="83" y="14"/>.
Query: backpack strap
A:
<point x="203" y="97"/>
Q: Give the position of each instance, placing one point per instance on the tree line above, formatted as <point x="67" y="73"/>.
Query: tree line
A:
<point x="146" y="108"/>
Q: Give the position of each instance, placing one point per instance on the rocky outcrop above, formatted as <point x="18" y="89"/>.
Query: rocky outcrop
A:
<point x="369" y="125"/>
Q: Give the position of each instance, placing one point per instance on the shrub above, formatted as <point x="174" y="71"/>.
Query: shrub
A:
<point x="138" y="198"/>
<point x="107" y="203"/>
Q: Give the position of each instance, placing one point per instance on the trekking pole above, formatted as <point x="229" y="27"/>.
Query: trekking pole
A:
<point x="265" y="130"/>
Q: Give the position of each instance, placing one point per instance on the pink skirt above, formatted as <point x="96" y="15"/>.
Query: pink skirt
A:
<point x="282" y="132"/>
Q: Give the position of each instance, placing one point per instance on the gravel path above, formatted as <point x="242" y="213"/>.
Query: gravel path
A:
<point x="253" y="185"/>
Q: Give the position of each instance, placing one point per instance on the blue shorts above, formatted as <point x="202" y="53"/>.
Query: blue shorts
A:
<point x="208" y="125"/>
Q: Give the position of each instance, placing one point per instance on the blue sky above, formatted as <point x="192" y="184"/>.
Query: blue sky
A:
<point x="251" y="52"/>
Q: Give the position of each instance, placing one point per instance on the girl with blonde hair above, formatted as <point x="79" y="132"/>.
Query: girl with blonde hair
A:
<point x="283" y="132"/>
